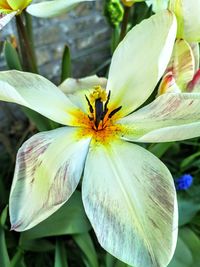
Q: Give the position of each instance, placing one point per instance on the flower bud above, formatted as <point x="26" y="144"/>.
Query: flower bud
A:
<point x="114" y="12"/>
<point x="128" y="3"/>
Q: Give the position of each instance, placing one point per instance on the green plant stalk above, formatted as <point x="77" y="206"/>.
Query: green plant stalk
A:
<point x="124" y="23"/>
<point x="66" y="68"/>
<point x="60" y="255"/>
<point x="4" y="257"/>
<point x="115" y="38"/>
<point x="25" y="46"/>
<point x="17" y="258"/>
<point x="29" y="28"/>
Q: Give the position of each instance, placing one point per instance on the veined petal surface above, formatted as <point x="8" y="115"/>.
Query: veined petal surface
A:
<point x="77" y="89"/>
<point x="130" y="200"/>
<point x="168" y="85"/>
<point x="48" y="169"/>
<point x="182" y="64"/>
<point x="195" y="51"/>
<point x="37" y="93"/>
<point x="194" y="85"/>
<point x="136" y="65"/>
<point x="171" y="117"/>
<point x="180" y="70"/>
<point x="52" y="8"/>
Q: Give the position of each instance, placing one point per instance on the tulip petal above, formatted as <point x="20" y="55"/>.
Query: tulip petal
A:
<point x="182" y="64"/>
<point x="76" y="89"/>
<point x="37" y="93"/>
<point x="171" y="117"/>
<point x="191" y="10"/>
<point x="187" y="12"/>
<point x="157" y="5"/>
<point x="52" y="8"/>
<point x="168" y="85"/>
<point x="130" y="200"/>
<point x="71" y="86"/>
<point x="194" y="85"/>
<point x="136" y="66"/>
<point x="5" y="19"/>
<point x="195" y="50"/>
<point x="48" y="169"/>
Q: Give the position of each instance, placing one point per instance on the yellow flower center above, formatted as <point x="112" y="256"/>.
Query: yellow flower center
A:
<point x="99" y="114"/>
<point x="100" y="122"/>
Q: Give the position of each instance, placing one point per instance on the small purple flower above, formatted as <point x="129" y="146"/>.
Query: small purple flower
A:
<point x="184" y="182"/>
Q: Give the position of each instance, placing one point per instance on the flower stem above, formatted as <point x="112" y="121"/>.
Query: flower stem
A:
<point x="29" y="28"/>
<point x="25" y="46"/>
<point x="124" y="23"/>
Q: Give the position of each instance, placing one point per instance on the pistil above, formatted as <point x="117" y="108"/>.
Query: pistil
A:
<point x="98" y="106"/>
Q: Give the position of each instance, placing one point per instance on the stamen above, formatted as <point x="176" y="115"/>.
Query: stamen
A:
<point x="98" y="105"/>
<point x="112" y="113"/>
<point x="90" y="118"/>
<point x="106" y="104"/>
<point x="90" y="106"/>
<point x="98" y="111"/>
<point x="98" y="93"/>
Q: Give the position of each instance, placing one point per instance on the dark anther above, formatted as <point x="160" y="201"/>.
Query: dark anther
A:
<point x="112" y="113"/>
<point x="90" y="106"/>
<point x="90" y="118"/>
<point x="106" y="104"/>
<point x="99" y="111"/>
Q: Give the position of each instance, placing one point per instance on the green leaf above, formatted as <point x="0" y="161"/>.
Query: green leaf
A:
<point x="110" y="260"/>
<point x="160" y="149"/>
<point x="60" y="255"/>
<point x="11" y="57"/>
<point x="187" y="250"/>
<point x="66" y="64"/>
<point x="121" y="264"/>
<point x="187" y="161"/>
<point x="187" y="210"/>
<point x="4" y="258"/>
<point x="17" y="258"/>
<point x="113" y="262"/>
<point x="85" y="243"/>
<point x="3" y="217"/>
<point x="69" y="219"/>
<point x="41" y="123"/>
<point x="36" y="245"/>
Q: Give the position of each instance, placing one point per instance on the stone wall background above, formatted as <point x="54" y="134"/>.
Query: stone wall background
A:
<point x="84" y="29"/>
<point x="86" y="32"/>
